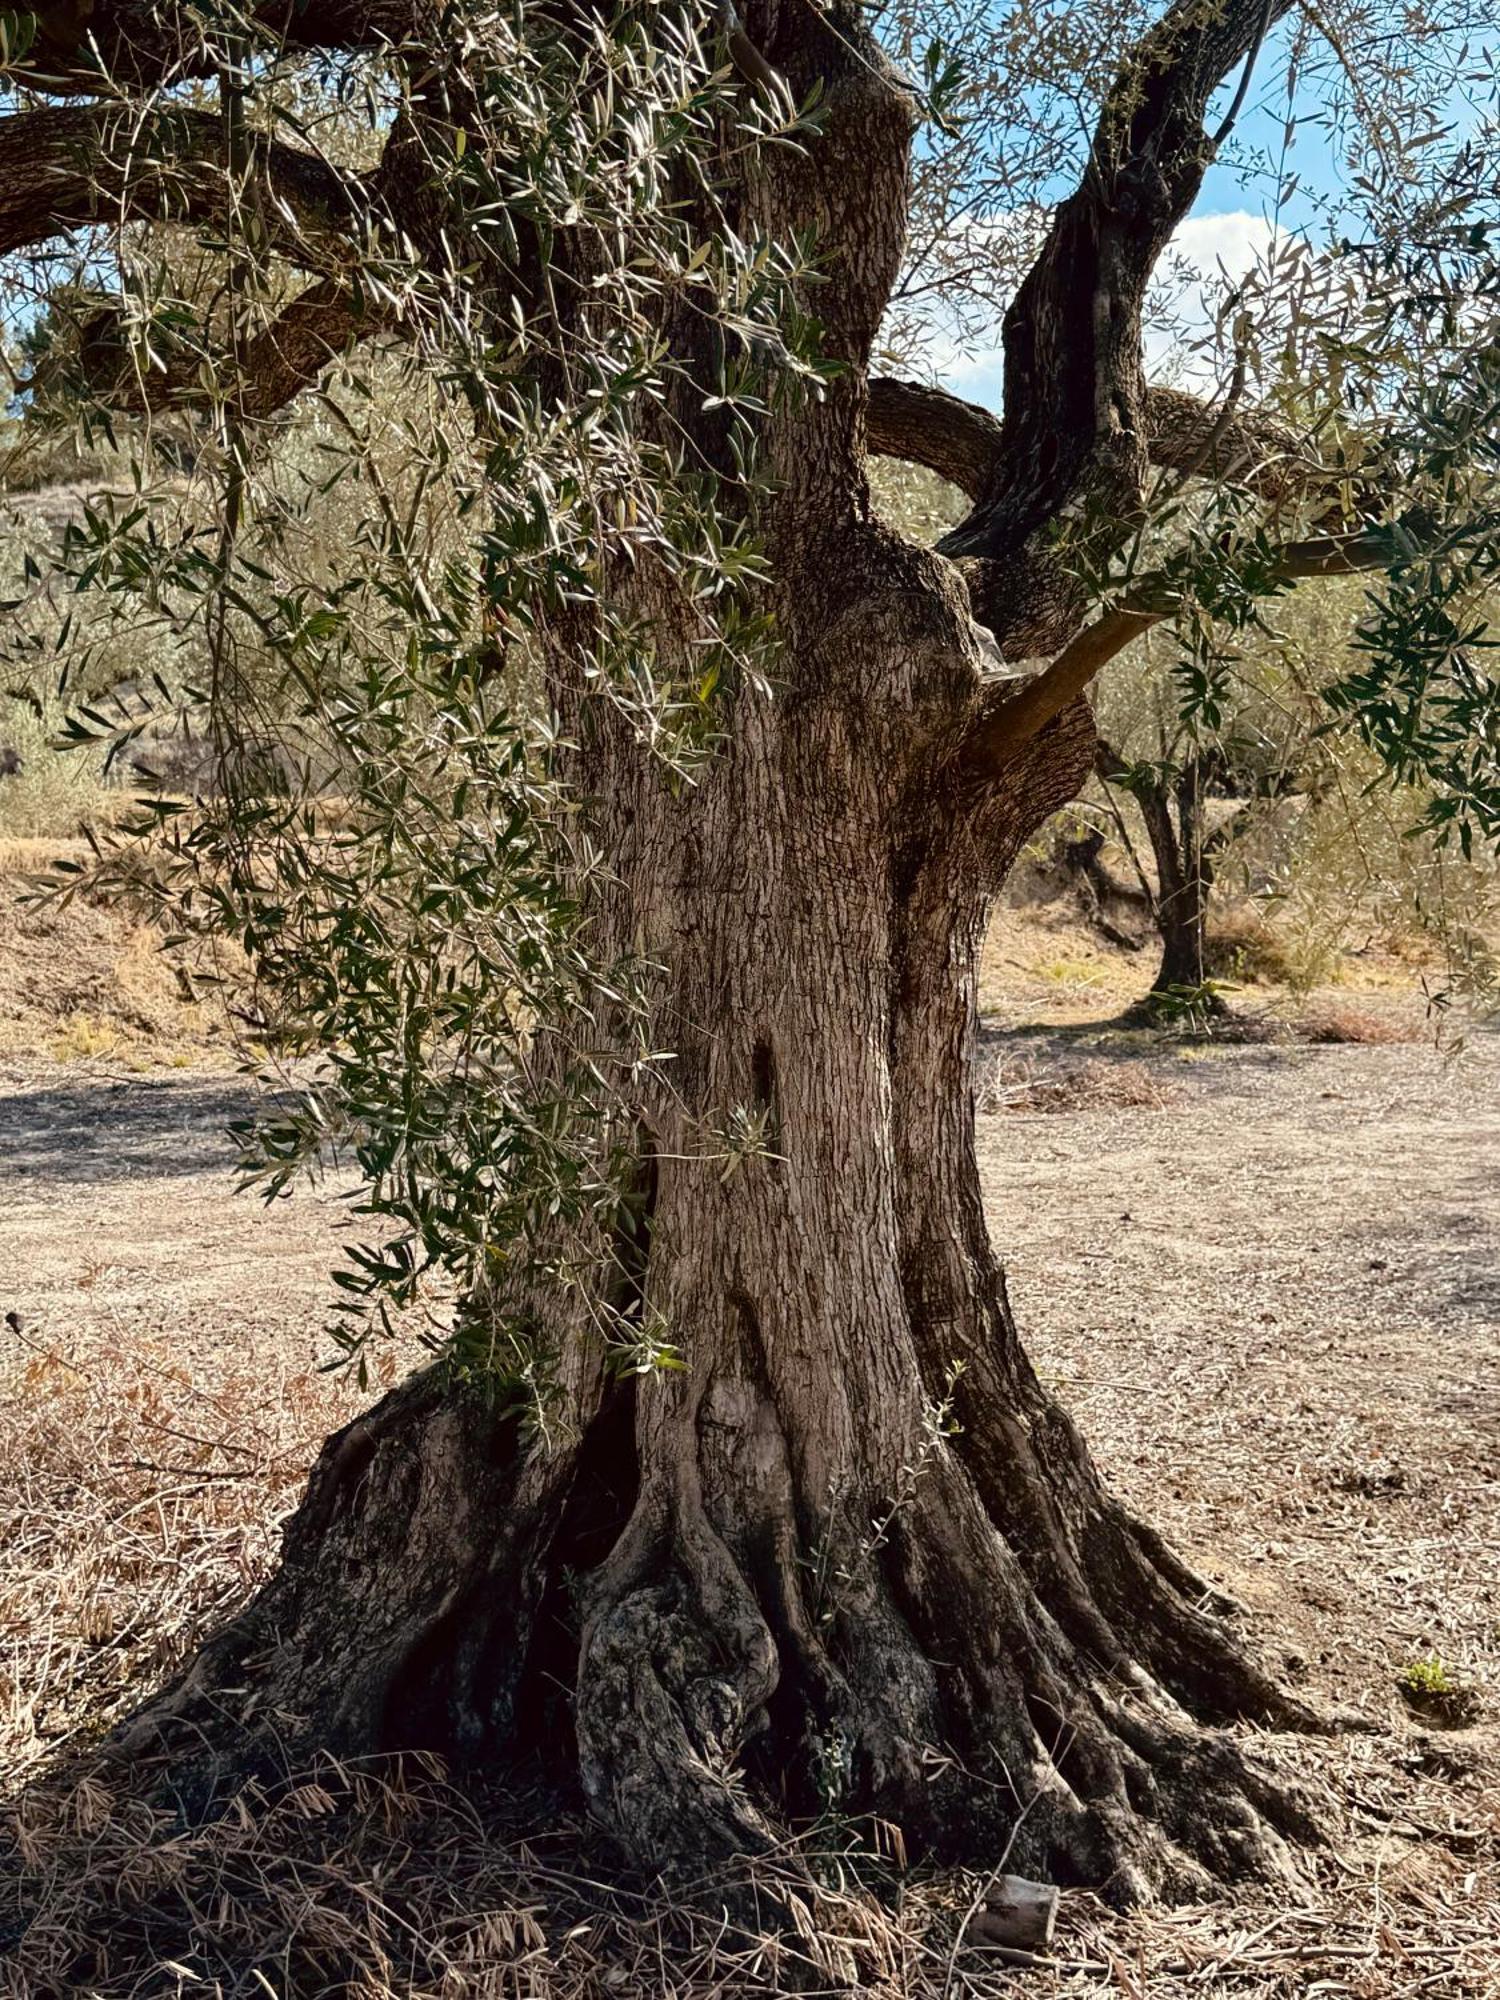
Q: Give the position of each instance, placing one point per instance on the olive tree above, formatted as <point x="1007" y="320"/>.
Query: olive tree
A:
<point x="615" y="815"/>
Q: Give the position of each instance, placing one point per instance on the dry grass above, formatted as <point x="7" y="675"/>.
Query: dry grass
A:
<point x="138" y="1505"/>
<point x="1025" y="1083"/>
<point x="1275" y="1317"/>
<point x="1338" y="1022"/>
<point x="380" y="1880"/>
<point x="86" y="980"/>
<point x="1243" y="946"/>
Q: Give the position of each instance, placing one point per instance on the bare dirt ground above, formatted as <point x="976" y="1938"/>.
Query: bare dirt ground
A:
<point x="1273" y="1304"/>
<point x="120" y="1221"/>
<point x="1266" y="1279"/>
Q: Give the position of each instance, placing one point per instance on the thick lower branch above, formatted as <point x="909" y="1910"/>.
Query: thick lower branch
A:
<point x="1012" y="717"/>
<point x="142" y="43"/>
<point x="270" y="371"/>
<point x="69" y="165"/>
<point x="963" y="442"/>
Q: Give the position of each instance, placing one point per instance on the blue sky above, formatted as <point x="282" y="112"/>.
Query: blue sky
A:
<point x="1270" y="180"/>
<point x="1219" y="245"/>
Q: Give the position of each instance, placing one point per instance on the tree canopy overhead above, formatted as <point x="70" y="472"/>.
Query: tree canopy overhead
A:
<point x="610" y="804"/>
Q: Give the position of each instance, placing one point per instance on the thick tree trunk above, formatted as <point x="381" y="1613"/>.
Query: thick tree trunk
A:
<point x="851" y="1557"/>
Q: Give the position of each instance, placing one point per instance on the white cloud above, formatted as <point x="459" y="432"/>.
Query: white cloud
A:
<point x="972" y="375"/>
<point x="1229" y="245"/>
<point x="1208" y="258"/>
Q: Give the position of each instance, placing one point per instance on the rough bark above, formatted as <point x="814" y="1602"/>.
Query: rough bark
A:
<point x="963" y="441"/>
<point x="816" y="1570"/>
<point x="1075" y="426"/>
<point x="1179" y="844"/>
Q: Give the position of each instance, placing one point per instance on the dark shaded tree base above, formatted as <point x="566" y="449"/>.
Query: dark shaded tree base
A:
<point x="445" y="1588"/>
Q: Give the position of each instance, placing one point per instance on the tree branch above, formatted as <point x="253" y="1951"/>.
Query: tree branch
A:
<point x="1240" y="447"/>
<point x="142" y="42"/>
<point x="962" y="442"/>
<point x="1013" y="716"/>
<point x="66" y="166"/>
<point x="929" y="427"/>
<point x="746" y="57"/>
<point x="275" y="366"/>
<point x="1075" y="424"/>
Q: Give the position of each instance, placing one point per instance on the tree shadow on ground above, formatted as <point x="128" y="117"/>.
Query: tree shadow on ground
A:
<point x="98" y="1130"/>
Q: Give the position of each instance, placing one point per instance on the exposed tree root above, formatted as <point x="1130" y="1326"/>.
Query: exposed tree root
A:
<point x="730" y="1678"/>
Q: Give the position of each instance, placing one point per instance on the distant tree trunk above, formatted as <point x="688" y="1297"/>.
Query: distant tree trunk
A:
<point x="1172" y="810"/>
<point x="1083" y="858"/>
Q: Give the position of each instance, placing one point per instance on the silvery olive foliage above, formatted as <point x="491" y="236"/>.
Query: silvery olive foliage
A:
<point x="338" y="616"/>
